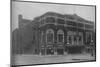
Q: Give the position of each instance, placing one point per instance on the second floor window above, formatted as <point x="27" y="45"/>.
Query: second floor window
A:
<point x="50" y="20"/>
<point x="60" y="21"/>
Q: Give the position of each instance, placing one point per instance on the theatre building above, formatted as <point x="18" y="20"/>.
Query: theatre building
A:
<point x="56" y="33"/>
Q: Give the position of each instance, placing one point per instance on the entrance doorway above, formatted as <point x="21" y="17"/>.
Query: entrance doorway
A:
<point x="50" y="51"/>
<point x="60" y="51"/>
<point x="43" y="51"/>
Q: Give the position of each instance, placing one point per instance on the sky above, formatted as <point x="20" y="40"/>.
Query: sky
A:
<point x="31" y="10"/>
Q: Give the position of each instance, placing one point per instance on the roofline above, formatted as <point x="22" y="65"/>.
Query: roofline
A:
<point x="56" y="3"/>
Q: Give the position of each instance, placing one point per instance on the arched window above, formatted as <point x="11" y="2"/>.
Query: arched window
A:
<point x="60" y="36"/>
<point x="49" y="36"/>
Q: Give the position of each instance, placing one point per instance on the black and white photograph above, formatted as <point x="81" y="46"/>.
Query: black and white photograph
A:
<point x="52" y="33"/>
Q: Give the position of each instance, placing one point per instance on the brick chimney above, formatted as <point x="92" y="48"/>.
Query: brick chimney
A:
<point x="20" y="18"/>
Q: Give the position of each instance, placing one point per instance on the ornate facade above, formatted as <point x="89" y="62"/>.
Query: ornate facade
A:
<point x="55" y="33"/>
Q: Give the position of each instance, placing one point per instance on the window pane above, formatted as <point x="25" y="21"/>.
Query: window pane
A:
<point x="71" y="23"/>
<point x="70" y="39"/>
<point x="60" y="37"/>
<point x="89" y="26"/>
<point x="89" y="38"/>
<point x="50" y="37"/>
<point x="80" y="38"/>
<point x="75" y="38"/>
<point x="80" y="25"/>
<point x="50" y="20"/>
<point x="61" y="21"/>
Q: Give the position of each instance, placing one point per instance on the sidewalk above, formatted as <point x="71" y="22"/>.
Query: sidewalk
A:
<point x="40" y="59"/>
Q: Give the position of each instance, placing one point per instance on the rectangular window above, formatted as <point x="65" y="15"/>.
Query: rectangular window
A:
<point x="50" y="20"/>
<point x="60" y="21"/>
<point x="71" y="23"/>
<point x="70" y="39"/>
<point x="80" y="25"/>
<point x="75" y="40"/>
<point x="89" y="26"/>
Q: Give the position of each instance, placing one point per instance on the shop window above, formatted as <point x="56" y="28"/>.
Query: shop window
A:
<point x="60" y="35"/>
<point x="50" y="36"/>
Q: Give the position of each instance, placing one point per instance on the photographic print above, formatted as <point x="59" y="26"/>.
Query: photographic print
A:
<point x="52" y="33"/>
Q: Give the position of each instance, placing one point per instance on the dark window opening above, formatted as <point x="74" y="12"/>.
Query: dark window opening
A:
<point x="70" y="39"/>
<point x="49" y="37"/>
<point x="75" y="38"/>
<point x="89" y="26"/>
<point x="50" y="20"/>
<point x="71" y="23"/>
<point x="60" y="37"/>
<point x="60" y="21"/>
<point x="80" y="38"/>
<point x="88" y="38"/>
<point x="42" y="21"/>
<point x="80" y="25"/>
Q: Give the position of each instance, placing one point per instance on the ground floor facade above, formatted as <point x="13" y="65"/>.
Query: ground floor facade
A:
<point x="60" y="40"/>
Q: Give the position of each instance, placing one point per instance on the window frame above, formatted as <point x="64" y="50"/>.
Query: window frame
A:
<point x="87" y="34"/>
<point x="52" y="32"/>
<point x="61" y="32"/>
<point x="61" y="21"/>
<point x="49" y="19"/>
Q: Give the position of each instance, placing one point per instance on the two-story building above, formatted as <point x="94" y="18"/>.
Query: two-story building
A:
<point x="55" y="33"/>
